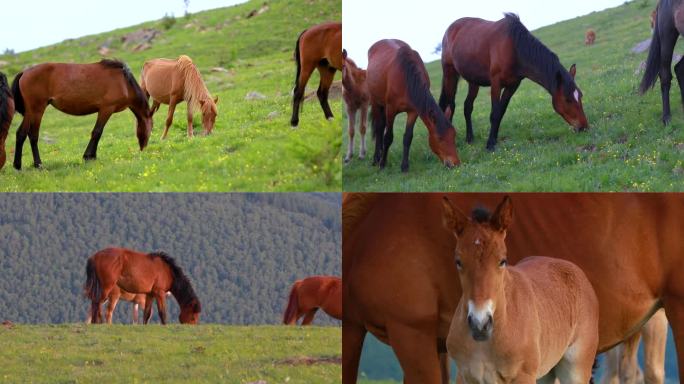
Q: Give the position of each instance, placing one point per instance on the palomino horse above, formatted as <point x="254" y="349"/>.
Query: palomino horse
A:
<point x="104" y="88"/>
<point x="6" y="115"/>
<point x="319" y="47"/>
<point x="355" y="94"/>
<point x="519" y="323"/>
<point x="174" y="81"/>
<point x="622" y="365"/>
<point x="500" y="55"/>
<point x="401" y="282"/>
<point x="398" y="82"/>
<point x="116" y="294"/>
<point x="152" y="274"/>
<point x="590" y="37"/>
<point x="668" y="27"/>
<point x="310" y="294"/>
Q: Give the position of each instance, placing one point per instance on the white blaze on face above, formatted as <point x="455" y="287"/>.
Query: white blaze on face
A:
<point x="576" y="94"/>
<point x="481" y="314"/>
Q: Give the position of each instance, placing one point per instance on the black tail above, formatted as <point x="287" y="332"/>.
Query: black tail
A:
<point x="16" y="94"/>
<point x="298" y="60"/>
<point x="652" y="63"/>
<point x="92" y="288"/>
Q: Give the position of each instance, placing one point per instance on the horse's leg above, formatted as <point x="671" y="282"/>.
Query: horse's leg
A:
<point x="444" y="366"/>
<point x="327" y="76"/>
<point x="473" y="89"/>
<point x="388" y="137"/>
<point x="111" y="305"/>
<point x="415" y="347"/>
<point x="447" y="99"/>
<point x="674" y="308"/>
<point x="191" y="132"/>
<point x="352" y="344"/>
<point x="667" y="44"/>
<point x="654" y="335"/>
<point x="351" y="117"/>
<point x="33" y="132"/>
<point x="147" y="313"/>
<point x="628" y="367"/>
<point x="22" y="133"/>
<point x="102" y="118"/>
<point x="679" y="71"/>
<point x="155" y="107"/>
<point x="135" y="313"/>
<point x="161" y="306"/>
<point x="169" y="117"/>
<point x="612" y="364"/>
<point x="408" y="137"/>
<point x="379" y="124"/>
<point x="499" y="104"/>
<point x="308" y="319"/>
<point x="362" y="130"/>
<point x="298" y="94"/>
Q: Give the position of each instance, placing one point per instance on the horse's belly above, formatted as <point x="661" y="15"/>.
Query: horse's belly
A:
<point x="72" y="108"/>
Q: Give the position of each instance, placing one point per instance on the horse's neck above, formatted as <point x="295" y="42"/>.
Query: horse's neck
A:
<point x="538" y="75"/>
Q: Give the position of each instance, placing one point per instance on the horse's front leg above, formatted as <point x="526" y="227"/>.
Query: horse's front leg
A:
<point x="679" y="71"/>
<point x="190" y="127"/>
<point x="169" y="118"/>
<point x="408" y="138"/>
<point x="161" y="306"/>
<point x="22" y="133"/>
<point x="147" y="313"/>
<point x="351" y="120"/>
<point x="91" y="150"/>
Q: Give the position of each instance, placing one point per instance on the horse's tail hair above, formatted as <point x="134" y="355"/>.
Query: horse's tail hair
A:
<point x="92" y="288"/>
<point x="290" y="314"/>
<point x="16" y="94"/>
<point x="652" y="63"/>
<point x="298" y="60"/>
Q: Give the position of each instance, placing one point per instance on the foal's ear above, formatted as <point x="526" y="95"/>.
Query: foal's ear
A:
<point x="503" y="216"/>
<point x="452" y="218"/>
<point x="573" y="70"/>
<point x="216" y="100"/>
<point x="344" y="54"/>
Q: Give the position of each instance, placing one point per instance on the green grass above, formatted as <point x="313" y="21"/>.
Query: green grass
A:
<point x="626" y="149"/>
<point x="77" y="353"/>
<point x="247" y="151"/>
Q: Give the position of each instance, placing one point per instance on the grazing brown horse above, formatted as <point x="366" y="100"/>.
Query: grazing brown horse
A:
<point x="589" y="37"/>
<point x="398" y="82"/>
<point x="401" y="281"/>
<point x="174" y="81"/>
<point x="355" y="94"/>
<point x="104" y="88"/>
<point x="622" y="365"/>
<point x="500" y="55"/>
<point x="152" y="274"/>
<point x="535" y="320"/>
<point x="116" y="294"/>
<point x="6" y="115"/>
<point x="319" y="47"/>
<point x="310" y="294"/>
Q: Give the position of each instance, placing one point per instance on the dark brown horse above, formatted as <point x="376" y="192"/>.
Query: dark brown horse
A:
<point x="319" y="47"/>
<point x="669" y="25"/>
<point x="104" y="88"/>
<point x="152" y="274"/>
<point x="6" y="115"/>
<point x="355" y="94"/>
<point x="310" y="294"/>
<point x="500" y="55"/>
<point x="398" y="82"/>
<point x="401" y="281"/>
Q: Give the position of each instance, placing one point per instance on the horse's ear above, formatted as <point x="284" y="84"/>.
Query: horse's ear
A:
<point x="452" y="218"/>
<point x="216" y="100"/>
<point x="503" y="216"/>
<point x="573" y="70"/>
<point x="344" y="54"/>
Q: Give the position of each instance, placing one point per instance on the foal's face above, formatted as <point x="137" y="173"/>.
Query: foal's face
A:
<point x="568" y="103"/>
<point x="480" y="257"/>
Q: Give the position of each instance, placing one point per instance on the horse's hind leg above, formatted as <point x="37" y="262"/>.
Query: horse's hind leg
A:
<point x="91" y="150"/>
<point x="447" y="99"/>
<point x="22" y="133"/>
<point x="298" y="94"/>
<point x="352" y="344"/>
<point x="408" y="137"/>
<point x="155" y="107"/>
<point x="111" y="305"/>
<point x="147" y="313"/>
<point x="33" y="132"/>
<point x="327" y="76"/>
<point x="388" y="138"/>
<point x="473" y="89"/>
<point x="654" y="334"/>
<point x="351" y="118"/>
<point x="628" y="366"/>
<point x="666" y="49"/>
<point x="679" y="71"/>
<point x="161" y="306"/>
<point x="416" y="351"/>
<point x="379" y="124"/>
<point x="308" y="319"/>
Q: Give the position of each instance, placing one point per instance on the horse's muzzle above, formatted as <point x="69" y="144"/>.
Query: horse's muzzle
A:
<point x="481" y="331"/>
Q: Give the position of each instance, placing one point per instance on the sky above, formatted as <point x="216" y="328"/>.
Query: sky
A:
<point x="422" y="23"/>
<point x="29" y="24"/>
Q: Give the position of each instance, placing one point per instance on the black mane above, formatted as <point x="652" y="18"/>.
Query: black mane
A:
<point x="181" y="288"/>
<point x="140" y="98"/>
<point x="534" y="55"/>
<point x="480" y="215"/>
<point x="5" y="94"/>
<point x="419" y="90"/>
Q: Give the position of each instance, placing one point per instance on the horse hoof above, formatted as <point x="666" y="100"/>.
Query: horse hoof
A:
<point x="491" y="147"/>
<point x="294" y="122"/>
<point x="89" y="157"/>
<point x="38" y="166"/>
<point x="362" y="157"/>
<point x="404" y="168"/>
<point x="666" y="120"/>
<point x="17" y="166"/>
<point x="331" y="118"/>
<point x="347" y="159"/>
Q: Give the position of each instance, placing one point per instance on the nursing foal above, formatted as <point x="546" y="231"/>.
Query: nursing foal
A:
<point x="537" y="320"/>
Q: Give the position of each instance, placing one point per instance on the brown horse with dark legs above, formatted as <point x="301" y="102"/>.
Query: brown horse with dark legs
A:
<point x="319" y="47"/>
<point x="310" y="294"/>
<point x="355" y="94"/>
<point x="500" y="55"/>
<point x="6" y="115"/>
<point x="104" y="88"/>
<point x="398" y="82"/>
<point x="401" y="282"/>
<point x="174" y="81"/>
<point x="152" y="274"/>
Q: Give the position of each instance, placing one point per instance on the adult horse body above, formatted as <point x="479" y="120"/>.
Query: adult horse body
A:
<point x="398" y="82"/>
<point x="401" y="282"/>
<point x="105" y="88"/>
<point x="152" y="274"/>
<point x="174" y="81"/>
<point x="319" y="47"/>
<point x="500" y="55"/>
<point x="355" y="95"/>
<point x="310" y="294"/>
<point x="6" y="115"/>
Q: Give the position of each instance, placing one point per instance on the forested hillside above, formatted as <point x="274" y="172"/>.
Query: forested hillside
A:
<point x="241" y="251"/>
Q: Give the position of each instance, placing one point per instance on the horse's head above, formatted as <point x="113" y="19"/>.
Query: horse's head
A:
<point x="209" y="113"/>
<point x="567" y="100"/>
<point x="442" y="137"/>
<point x="480" y="257"/>
<point x="190" y="312"/>
<point x="144" y="126"/>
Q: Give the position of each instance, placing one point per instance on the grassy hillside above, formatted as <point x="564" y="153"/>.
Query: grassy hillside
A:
<point x="626" y="149"/>
<point x="253" y="147"/>
<point x="76" y="353"/>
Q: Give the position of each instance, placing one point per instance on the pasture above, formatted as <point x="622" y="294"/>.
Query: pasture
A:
<point x="252" y="148"/>
<point x="75" y="353"/>
<point x="627" y="148"/>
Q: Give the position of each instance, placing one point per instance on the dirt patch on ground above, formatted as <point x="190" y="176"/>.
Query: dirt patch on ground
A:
<point x="308" y="360"/>
<point x="334" y="93"/>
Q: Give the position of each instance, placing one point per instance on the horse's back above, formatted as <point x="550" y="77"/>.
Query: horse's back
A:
<point x="387" y="73"/>
<point x="162" y="78"/>
<point x="323" y="41"/>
